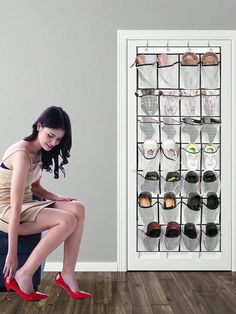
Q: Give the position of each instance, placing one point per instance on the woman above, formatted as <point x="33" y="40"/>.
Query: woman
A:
<point x="62" y="216"/>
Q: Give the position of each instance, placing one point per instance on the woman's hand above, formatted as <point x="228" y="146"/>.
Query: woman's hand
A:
<point x="64" y="198"/>
<point x="10" y="266"/>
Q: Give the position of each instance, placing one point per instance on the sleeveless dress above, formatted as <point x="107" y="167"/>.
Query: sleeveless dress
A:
<point x="30" y="208"/>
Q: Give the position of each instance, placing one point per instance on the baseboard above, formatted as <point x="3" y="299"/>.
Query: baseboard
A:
<point x="83" y="266"/>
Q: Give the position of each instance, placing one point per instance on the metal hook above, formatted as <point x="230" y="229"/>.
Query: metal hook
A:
<point x="189" y="49"/>
<point x="146" y="49"/>
<point x="167" y="46"/>
<point x="210" y="49"/>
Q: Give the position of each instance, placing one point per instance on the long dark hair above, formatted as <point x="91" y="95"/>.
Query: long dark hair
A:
<point x="55" y="118"/>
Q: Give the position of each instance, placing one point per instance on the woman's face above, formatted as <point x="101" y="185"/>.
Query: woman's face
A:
<point x="48" y="138"/>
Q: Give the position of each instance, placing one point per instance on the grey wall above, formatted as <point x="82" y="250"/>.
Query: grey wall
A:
<point x="63" y="52"/>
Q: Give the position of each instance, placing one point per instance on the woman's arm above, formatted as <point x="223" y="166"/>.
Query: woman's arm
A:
<point x="20" y="166"/>
<point x="39" y="190"/>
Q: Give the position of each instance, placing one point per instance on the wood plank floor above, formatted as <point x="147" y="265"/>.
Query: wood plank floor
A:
<point x="135" y="293"/>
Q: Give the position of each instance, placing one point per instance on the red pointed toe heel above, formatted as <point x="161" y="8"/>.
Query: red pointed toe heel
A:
<point x="12" y="285"/>
<point x="60" y="283"/>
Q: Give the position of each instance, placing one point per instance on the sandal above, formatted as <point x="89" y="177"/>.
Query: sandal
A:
<point x="145" y="199"/>
<point x="169" y="200"/>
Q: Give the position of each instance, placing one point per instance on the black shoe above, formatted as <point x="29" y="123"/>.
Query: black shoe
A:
<point x="192" y="177"/>
<point x="190" y="230"/>
<point x="169" y="200"/>
<point x="194" y="201"/>
<point x="212" y="200"/>
<point x="211" y="229"/>
<point x="153" y="175"/>
<point x="173" y="176"/>
<point x="209" y="176"/>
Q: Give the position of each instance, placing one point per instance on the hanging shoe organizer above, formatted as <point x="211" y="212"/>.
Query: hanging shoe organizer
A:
<point x="178" y="149"/>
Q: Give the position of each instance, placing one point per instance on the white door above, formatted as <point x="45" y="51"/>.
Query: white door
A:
<point x="170" y="86"/>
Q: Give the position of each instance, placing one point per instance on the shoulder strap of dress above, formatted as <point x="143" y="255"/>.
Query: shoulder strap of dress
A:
<point x="16" y="150"/>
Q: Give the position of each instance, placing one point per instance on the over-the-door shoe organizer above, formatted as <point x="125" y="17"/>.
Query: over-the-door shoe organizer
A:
<point x="178" y="151"/>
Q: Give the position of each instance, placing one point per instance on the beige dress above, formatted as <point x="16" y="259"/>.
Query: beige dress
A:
<point x="30" y="208"/>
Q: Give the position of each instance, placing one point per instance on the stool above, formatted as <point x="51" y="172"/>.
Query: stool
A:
<point x="26" y="244"/>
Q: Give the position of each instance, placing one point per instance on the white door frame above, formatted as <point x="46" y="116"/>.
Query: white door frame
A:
<point x="123" y="36"/>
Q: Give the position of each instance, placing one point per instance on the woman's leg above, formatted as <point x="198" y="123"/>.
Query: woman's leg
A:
<point x="60" y="225"/>
<point x="72" y="242"/>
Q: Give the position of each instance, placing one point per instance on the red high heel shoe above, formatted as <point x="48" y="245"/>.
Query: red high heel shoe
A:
<point x="12" y="285"/>
<point x="60" y="283"/>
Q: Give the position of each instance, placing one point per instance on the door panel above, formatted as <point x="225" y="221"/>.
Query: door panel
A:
<point x="156" y="113"/>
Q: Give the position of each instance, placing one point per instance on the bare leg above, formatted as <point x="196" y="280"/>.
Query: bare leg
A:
<point x="72" y="243"/>
<point x="59" y="225"/>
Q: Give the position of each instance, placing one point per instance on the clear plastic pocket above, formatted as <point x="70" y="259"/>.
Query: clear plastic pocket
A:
<point x="147" y="184"/>
<point x="148" y="129"/>
<point x="168" y="186"/>
<point x="210" y="103"/>
<point x="172" y="244"/>
<point x="191" y="160"/>
<point x="146" y="243"/>
<point x="167" y="215"/>
<point x="148" y="164"/>
<point x="210" y="243"/>
<point x="190" y="215"/>
<point x="169" y="164"/>
<point x="148" y="105"/>
<point x="168" y="74"/>
<point x="147" y="75"/>
<point x="213" y="186"/>
<point x="148" y="214"/>
<point x="211" y="160"/>
<point x="170" y="129"/>
<point x="190" y="131"/>
<point x="188" y="244"/>
<point x="190" y="76"/>
<point x="190" y="187"/>
<point x="210" y="215"/>
<point x="210" y="132"/>
<point x="210" y="76"/>
<point x="190" y="103"/>
<point x="169" y="244"/>
<point x="169" y="103"/>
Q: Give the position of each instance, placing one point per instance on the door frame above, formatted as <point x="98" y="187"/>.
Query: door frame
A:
<point x="123" y="36"/>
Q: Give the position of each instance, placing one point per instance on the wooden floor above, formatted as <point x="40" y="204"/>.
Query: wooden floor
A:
<point x="136" y="293"/>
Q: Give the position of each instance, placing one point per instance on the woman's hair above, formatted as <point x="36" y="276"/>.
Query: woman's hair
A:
<point x="55" y="118"/>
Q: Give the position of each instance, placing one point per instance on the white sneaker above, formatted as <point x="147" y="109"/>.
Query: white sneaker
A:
<point x="150" y="148"/>
<point x="170" y="148"/>
<point x="210" y="156"/>
<point x="192" y="156"/>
